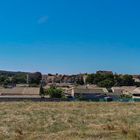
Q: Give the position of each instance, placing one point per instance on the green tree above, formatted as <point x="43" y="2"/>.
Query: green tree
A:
<point x="118" y="80"/>
<point x="19" y="78"/>
<point x="54" y="92"/>
<point x="137" y="84"/>
<point x="106" y="83"/>
<point x="128" y="80"/>
<point x="42" y="92"/>
<point x="101" y="79"/>
<point x="90" y="79"/>
<point x="80" y="80"/>
<point x="35" y="78"/>
<point x="3" y="79"/>
<point x="6" y="83"/>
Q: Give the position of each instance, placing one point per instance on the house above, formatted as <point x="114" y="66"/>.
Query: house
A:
<point x="128" y="90"/>
<point x="88" y="93"/>
<point x="124" y="90"/>
<point x="104" y="72"/>
<point x="20" y="91"/>
<point x="136" y="78"/>
<point x="136" y="94"/>
<point x="118" y="90"/>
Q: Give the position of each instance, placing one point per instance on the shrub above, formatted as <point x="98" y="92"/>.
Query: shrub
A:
<point x="54" y="92"/>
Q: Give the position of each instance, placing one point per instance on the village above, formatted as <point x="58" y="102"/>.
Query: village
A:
<point x="93" y="92"/>
<point x="37" y="87"/>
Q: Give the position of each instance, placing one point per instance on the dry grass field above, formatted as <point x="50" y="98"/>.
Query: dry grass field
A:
<point x="69" y="121"/>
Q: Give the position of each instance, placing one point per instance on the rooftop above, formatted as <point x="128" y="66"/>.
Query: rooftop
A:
<point x="89" y="91"/>
<point x="19" y="91"/>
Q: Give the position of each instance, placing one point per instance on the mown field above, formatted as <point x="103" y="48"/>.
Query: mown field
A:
<point x="69" y="121"/>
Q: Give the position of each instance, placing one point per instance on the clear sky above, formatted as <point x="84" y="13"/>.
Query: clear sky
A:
<point x="70" y="36"/>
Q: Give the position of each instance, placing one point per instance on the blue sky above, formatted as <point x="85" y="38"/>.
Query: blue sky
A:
<point x="70" y="36"/>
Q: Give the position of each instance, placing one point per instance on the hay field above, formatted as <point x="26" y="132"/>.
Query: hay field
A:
<point x="69" y="121"/>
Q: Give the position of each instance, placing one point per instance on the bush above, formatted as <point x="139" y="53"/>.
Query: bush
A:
<point x="54" y="92"/>
<point x="126" y="96"/>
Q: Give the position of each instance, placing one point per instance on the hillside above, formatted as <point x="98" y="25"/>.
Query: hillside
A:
<point x="11" y="73"/>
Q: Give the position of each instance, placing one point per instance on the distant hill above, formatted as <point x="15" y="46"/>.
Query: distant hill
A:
<point x="12" y="77"/>
<point x="11" y="73"/>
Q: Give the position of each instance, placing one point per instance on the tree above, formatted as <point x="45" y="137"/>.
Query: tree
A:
<point x="118" y="80"/>
<point x="101" y="79"/>
<point x="3" y="79"/>
<point x="42" y="93"/>
<point x="79" y="80"/>
<point x="6" y="83"/>
<point x="106" y="83"/>
<point x="54" y="92"/>
<point x="90" y="78"/>
<point x="128" y="80"/>
<point x="19" y="78"/>
<point x="137" y="84"/>
<point x="98" y="78"/>
<point x="35" y="78"/>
